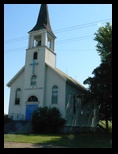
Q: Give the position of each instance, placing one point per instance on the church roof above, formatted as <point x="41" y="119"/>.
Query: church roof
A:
<point x="56" y="70"/>
<point x="15" y="77"/>
<point x="67" y="77"/>
<point x="43" y="21"/>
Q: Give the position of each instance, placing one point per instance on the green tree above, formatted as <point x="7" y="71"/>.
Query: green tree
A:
<point x="100" y="85"/>
<point x="104" y="46"/>
<point x="47" y="120"/>
<point x="7" y="119"/>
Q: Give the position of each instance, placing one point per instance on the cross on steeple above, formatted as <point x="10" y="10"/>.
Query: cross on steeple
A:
<point x="33" y="64"/>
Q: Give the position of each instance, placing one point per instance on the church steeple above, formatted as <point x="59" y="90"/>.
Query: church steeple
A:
<point x="43" y="21"/>
<point x="42" y="39"/>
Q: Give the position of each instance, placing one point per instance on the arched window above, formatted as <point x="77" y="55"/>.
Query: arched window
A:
<point x="32" y="99"/>
<point x="35" y="55"/>
<point x="33" y="80"/>
<point x="54" y="94"/>
<point x="39" y="43"/>
<point x="18" y="95"/>
<point x="49" y="43"/>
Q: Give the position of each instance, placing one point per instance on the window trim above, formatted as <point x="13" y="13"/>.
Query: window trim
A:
<point x="35" y="55"/>
<point x="33" y="80"/>
<point x="55" y="93"/>
<point x="32" y="98"/>
<point x="17" y="98"/>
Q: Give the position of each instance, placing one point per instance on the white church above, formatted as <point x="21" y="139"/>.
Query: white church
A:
<point x="39" y="83"/>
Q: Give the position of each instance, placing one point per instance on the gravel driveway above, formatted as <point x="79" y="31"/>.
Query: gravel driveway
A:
<point x="28" y="145"/>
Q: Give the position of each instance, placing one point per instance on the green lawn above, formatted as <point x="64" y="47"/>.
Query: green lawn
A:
<point x="103" y="124"/>
<point x="83" y="140"/>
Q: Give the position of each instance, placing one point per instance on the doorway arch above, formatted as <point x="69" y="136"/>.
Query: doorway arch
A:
<point x="31" y="106"/>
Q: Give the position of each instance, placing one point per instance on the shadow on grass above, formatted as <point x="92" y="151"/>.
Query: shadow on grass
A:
<point x="83" y="140"/>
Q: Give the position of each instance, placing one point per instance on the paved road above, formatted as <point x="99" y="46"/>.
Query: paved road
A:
<point x="28" y="145"/>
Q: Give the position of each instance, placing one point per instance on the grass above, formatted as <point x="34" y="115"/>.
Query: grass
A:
<point x="83" y="140"/>
<point x="103" y="124"/>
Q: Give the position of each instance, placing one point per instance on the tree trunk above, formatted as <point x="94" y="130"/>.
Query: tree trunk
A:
<point x="106" y="115"/>
<point x="107" y="127"/>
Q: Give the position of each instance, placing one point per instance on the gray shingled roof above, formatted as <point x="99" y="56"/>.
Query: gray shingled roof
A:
<point x="67" y="77"/>
<point x="43" y="21"/>
<point x="15" y="77"/>
<point x="59" y="72"/>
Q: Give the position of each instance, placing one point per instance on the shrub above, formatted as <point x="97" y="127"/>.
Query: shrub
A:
<point x="47" y="120"/>
<point x="6" y="119"/>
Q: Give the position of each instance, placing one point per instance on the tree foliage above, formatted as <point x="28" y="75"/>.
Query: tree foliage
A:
<point x="100" y="85"/>
<point x="7" y="119"/>
<point x="47" y="120"/>
<point x="104" y="46"/>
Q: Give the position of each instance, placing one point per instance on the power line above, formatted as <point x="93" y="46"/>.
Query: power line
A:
<point x="60" y="50"/>
<point x="61" y="30"/>
<point x="58" y="42"/>
<point x="16" y="39"/>
<point x="82" y="26"/>
<point x="61" y="41"/>
<point x="16" y="49"/>
<point x="76" y="38"/>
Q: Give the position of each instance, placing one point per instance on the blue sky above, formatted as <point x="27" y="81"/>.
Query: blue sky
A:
<point x="74" y="26"/>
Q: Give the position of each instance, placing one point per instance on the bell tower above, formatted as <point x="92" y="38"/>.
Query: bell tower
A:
<point x="41" y="50"/>
<point x="41" y="36"/>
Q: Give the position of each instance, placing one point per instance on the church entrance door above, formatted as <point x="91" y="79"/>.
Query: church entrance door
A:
<point x="29" y="110"/>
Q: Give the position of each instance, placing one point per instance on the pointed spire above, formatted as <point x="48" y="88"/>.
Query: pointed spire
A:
<point x="43" y="21"/>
